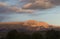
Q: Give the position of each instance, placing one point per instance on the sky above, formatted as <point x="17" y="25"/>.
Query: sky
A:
<point x="23" y="10"/>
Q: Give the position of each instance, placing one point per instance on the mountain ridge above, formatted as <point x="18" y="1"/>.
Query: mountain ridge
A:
<point x="32" y="23"/>
<point x="28" y="25"/>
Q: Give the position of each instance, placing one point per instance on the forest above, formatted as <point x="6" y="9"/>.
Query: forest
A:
<point x="49" y="34"/>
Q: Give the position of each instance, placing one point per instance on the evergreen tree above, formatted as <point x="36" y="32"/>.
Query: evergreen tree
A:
<point x="24" y="36"/>
<point x="52" y="34"/>
<point x="37" y="35"/>
<point x="12" y="34"/>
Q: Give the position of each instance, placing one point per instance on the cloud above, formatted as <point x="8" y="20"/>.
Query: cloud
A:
<point x="2" y="4"/>
<point x="4" y="7"/>
<point x="3" y="0"/>
<point x="56" y="2"/>
<point x="16" y="9"/>
<point x="38" y="4"/>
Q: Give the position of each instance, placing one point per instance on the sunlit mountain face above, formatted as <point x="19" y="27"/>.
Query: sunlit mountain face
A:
<point x="23" y="10"/>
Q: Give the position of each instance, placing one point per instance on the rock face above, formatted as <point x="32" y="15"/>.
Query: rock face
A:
<point x="34" y="23"/>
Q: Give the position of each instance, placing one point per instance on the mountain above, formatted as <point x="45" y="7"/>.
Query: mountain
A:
<point x="30" y="25"/>
<point x="26" y="26"/>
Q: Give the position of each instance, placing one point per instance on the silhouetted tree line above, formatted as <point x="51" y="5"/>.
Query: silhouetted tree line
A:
<point x="49" y="34"/>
